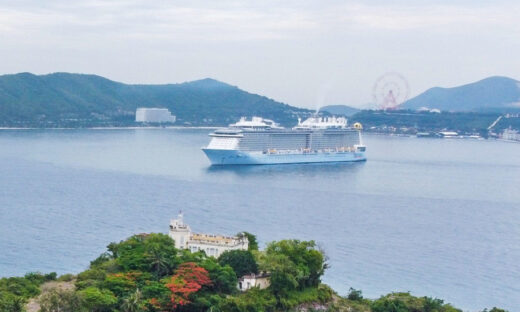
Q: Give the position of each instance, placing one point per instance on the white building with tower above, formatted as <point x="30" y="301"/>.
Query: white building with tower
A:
<point x="144" y="114"/>
<point x="213" y="245"/>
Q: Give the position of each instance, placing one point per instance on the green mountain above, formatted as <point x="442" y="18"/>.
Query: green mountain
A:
<point x="75" y="100"/>
<point x="499" y="94"/>
<point x="339" y="110"/>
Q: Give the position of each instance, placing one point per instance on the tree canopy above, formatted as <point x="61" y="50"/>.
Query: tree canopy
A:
<point x="293" y="264"/>
<point x="242" y="261"/>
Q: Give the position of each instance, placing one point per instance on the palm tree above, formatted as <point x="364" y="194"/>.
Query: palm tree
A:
<point x="133" y="303"/>
<point x="159" y="262"/>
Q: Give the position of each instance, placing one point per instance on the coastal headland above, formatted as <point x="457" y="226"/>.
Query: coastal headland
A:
<point x="146" y="272"/>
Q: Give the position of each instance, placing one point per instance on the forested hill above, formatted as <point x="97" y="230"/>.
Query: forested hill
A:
<point x="340" y="110"/>
<point x="76" y="100"/>
<point x="493" y="94"/>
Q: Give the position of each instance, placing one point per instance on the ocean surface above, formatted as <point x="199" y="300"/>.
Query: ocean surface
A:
<point x="433" y="217"/>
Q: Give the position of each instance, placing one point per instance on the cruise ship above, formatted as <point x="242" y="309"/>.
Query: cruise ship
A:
<point x="262" y="141"/>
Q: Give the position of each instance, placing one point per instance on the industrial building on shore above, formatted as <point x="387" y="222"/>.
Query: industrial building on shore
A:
<point x="154" y="115"/>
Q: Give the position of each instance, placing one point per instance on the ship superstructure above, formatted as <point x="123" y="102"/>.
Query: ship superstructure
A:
<point x="262" y="141"/>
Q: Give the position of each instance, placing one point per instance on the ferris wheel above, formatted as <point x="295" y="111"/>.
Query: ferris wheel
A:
<point x="390" y="90"/>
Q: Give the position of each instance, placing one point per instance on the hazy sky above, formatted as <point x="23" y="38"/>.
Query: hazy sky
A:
<point x="304" y="53"/>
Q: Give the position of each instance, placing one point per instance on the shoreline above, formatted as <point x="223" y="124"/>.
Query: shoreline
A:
<point x="217" y="127"/>
<point x="109" y="128"/>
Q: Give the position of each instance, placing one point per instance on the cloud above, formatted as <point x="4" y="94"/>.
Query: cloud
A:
<point x="232" y="20"/>
<point x="215" y="21"/>
<point x="154" y="18"/>
<point x="431" y="17"/>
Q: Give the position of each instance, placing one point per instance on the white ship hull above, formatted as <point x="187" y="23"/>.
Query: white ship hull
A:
<point x="237" y="157"/>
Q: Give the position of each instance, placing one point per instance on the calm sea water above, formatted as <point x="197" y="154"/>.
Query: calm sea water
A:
<point x="434" y="217"/>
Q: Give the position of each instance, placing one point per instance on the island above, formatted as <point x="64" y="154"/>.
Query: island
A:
<point x="146" y="272"/>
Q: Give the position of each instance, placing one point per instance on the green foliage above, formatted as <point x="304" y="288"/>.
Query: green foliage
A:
<point x="402" y="302"/>
<point x="242" y="261"/>
<point x="322" y="294"/>
<point x="153" y="253"/>
<point x="253" y="243"/>
<point x="432" y="304"/>
<point x="137" y="275"/>
<point x="74" y="100"/>
<point x="98" y="300"/>
<point x="103" y="258"/>
<point x="133" y="303"/>
<point x="154" y="289"/>
<point x="425" y="121"/>
<point x="389" y="305"/>
<point x="224" y="279"/>
<point x="293" y="264"/>
<point x="255" y="300"/>
<point x="10" y="302"/>
<point x="354" y="294"/>
<point x="15" y="291"/>
<point x="66" y="278"/>
<point x="121" y="284"/>
<point x="91" y="277"/>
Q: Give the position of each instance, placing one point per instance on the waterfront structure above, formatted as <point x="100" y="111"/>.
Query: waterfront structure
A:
<point x="449" y="134"/>
<point x="511" y="135"/>
<point x="249" y="281"/>
<point x="145" y="114"/>
<point x="212" y="245"/>
<point x="261" y="141"/>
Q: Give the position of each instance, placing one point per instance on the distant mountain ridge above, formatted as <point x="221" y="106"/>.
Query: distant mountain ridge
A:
<point x="65" y="99"/>
<point x="339" y="110"/>
<point x="496" y="93"/>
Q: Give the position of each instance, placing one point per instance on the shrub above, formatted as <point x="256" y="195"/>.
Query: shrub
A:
<point x="60" y="300"/>
<point x="354" y="294"/>
<point x="66" y="277"/>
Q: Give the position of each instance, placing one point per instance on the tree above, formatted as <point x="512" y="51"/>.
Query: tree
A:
<point x="253" y="244"/>
<point x="293" y="264"/>
<point x="242" y="261"/>
<point x="154" y="253"/>
<point x="161" y="253"/>
<point x="188" y="279"/>
<point x="98" y="300"/>
<point x="354" y="294"/>
<point x="223" y="277"/>
<point x="284" y="275"/>
<point x="133" y="303"/>
<point x="121" y="283"/>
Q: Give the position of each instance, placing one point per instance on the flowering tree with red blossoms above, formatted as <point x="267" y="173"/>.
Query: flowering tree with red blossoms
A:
<point x="188" y="279"/>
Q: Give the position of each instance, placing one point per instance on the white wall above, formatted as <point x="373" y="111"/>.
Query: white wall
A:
<point x="154" y="115"/>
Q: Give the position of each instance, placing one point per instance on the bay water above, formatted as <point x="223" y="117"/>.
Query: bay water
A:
<point x="434" y="217"/>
